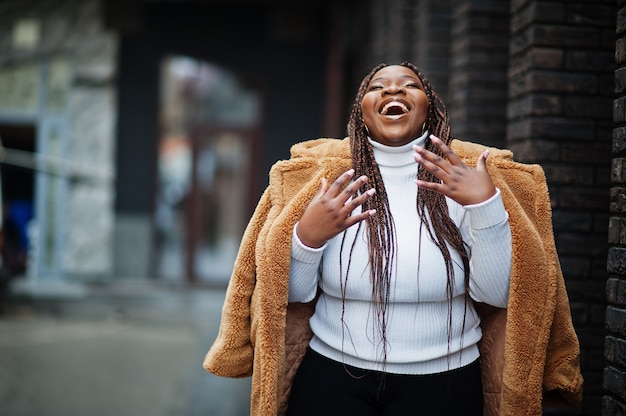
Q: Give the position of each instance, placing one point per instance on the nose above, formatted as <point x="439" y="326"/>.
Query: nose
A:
<point x="394" y="89"/>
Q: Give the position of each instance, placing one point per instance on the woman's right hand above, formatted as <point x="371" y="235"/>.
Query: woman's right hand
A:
<point x="329" y="213"/>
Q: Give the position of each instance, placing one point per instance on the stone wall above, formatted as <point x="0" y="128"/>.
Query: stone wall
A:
<point x="614" y="401"/>
<point x="74" y="31"/>
<point x="560" y="92"/>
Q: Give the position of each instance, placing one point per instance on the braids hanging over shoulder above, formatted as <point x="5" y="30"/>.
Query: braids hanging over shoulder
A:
<point x="431" y="206"/>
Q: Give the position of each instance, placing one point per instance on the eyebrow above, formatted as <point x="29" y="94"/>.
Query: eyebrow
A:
<point x="404" y="77"/>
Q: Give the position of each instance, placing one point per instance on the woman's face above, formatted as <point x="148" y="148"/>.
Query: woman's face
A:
<point x="395" y="106"/>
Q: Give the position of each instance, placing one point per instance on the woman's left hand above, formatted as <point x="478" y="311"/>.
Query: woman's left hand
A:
<point x="463" y="184"/>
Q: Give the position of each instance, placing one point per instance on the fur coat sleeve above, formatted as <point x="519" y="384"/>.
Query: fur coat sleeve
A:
<point x="529" y="351"/>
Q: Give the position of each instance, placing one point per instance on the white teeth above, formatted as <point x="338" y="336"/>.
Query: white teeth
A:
<point x="387" y="106"/>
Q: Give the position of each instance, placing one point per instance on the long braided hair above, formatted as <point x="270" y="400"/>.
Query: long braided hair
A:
<point x="431" y="206"/>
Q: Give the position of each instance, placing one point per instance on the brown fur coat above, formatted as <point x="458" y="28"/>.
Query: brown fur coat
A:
<point x="529" y="351"/>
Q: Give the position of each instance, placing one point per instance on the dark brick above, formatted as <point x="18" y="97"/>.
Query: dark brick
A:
<point x="607" y="39"/>
<point x="545" y="12"/>
<point x="573" y="221"/>
<point x="521" y="19"/>
<point x="597" y="314"/>
<point x="579" y="312"/>
<point x="586" y="290"/>
<point x="621" y="21"/>
<point x="615" y="350"/>
<point x="618" y="170"/>
<point x="591" y="337"/>
<point x="562" y="127"/>
<point x="616" y="260"/>
<point x="615" y="382"/>
<point x="585" y="245"/>
<point x="568" y="174"/>
<point x="620" y="51"/>
<point x="590" y="60"/>
<point x="590" y="14"/>
<point x="619" y="140"/>
<point x="545" y="104"/>
<point x="534" y="151"/>
<point x="617" y="228"/>
<point x="612" y="407"/>
<point x="553" y="81"/>
<point x="587" y="107"/>
<point x="520" y="42"/>
<point x="619" y="110"/>
<point x="546" y="58"/>
<point x="596" y="358"/>
<point x="606" y="83"/>
<point x="564" y="36"/>
<point x="574" y="267"/>
<point x="593" y="381"/>
<point x="598" y="269"/>
<point x="602" y="176"/>
<point x="617" y="200"/>
<point x="600" y="220"/>
<point x="616" y="320"/>
<point x="620" y="81"/>
<point x="586" y="198"/>
<point x="519" y="5"/>
<point x="597" y="152"/>
<point x="616" y="291"/>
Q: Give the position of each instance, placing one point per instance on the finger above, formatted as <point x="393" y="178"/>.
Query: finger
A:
<point x="360" y="200"/>
<point x="323" y="188"/>
<point x="481" y="163"/>
<point x="433" y="186"/>
<point x="446" y="151"/>
<point x="340" y="183"/>
<point x="359" y="217"/>
<point x="352" y="188"/>
<point x="434" y="166"/>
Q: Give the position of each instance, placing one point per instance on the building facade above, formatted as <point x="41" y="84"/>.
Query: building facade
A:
<point x="147" y="116"/>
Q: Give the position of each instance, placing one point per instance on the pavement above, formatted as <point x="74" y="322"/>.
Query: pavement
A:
<point x="123" y="347"/>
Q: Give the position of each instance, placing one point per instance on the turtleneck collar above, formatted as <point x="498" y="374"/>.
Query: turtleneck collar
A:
<point x="396" y="155"/>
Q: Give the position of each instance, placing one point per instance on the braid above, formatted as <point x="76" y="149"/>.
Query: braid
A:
<point x="431" y="206"/>
<point x="380" y="227"/>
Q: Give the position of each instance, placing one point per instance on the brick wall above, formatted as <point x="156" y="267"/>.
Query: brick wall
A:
<point x="560" y="91"/>
<point x="614" y="401"/>
<point x="537" y="77"/>
<point x="478" y="71"/>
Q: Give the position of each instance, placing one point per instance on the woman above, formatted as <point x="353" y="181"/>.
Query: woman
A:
<point x="388" y="263"/>
<point x="402" y="335"/>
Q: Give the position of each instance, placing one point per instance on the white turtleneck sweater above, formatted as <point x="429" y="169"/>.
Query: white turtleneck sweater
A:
<point x="418" y="312"/>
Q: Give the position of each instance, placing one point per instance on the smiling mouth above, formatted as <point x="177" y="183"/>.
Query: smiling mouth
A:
<point x="394" y="108"/>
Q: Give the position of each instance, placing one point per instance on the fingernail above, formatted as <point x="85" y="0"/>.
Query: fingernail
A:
<point x="372" y="212"/>
<point x="371" y="191"/>
<point x="350" y="172"/>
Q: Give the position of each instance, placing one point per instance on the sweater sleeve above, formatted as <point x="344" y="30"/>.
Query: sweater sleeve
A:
<point x="304" y="270"/>
<point x="485" y="228"/>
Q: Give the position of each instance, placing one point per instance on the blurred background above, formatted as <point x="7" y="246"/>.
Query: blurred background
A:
<point x="137" y="135"/>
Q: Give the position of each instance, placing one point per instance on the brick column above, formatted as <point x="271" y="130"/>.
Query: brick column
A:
<point x="614" y="401"/>
<point x="560" y="92"/>
<point x="478" y="70"/>
<point x="431" y="51"/>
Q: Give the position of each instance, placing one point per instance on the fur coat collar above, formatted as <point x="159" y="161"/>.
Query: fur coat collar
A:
<point x="529" y="351"/>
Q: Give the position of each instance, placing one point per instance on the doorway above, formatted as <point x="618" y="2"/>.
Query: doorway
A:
<point x="17" y="184"/>
<point x="209" y="127"/>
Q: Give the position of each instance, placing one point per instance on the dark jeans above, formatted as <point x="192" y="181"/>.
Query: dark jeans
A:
<point x="323" y="387"/>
